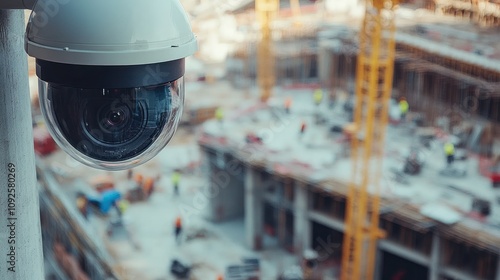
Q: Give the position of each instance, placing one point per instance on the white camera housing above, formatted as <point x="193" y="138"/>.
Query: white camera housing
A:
<point x="110" y="75"/>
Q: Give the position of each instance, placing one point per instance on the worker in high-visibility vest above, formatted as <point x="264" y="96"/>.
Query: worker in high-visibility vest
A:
<point x="148" y="187"/>
<point x="138" y="180"/>
<point x="82" y="204"/>
<point x="403" y="108"/>
<point x="122" y="205"/>
<point x="303" y="127"/>
<point x="176" y="178"/>
<point x="449" y="151"/>
<point x="318" y="96"/>
<point x="219" y="114"/>
<point x="288" y="104"/>
<point x="178" y="229"/>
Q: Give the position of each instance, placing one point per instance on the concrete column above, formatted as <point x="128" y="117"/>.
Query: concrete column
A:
<point x="435" y="257"/>
<point x="211" y="210"/>
<point x="498" y="268"/>
<point x="419" y="87"/>
<point x="379" y="260"/>
<point x="325" y="55"/>
<point x="301" y="224"/>
<point x="253" y="209"/>
<point x="20" y="236"/>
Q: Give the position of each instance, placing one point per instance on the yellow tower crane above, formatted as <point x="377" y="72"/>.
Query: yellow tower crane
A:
<point x="374" y="74"/>
<point x="266" y="11"/>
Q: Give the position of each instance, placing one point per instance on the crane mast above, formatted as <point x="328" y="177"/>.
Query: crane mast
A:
<point x="374" y="74"/>
<point x="266" y="11"/>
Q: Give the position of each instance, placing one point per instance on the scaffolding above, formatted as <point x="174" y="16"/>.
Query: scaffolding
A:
<point x="483" y="12"/>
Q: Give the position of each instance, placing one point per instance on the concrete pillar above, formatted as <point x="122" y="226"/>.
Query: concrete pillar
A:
<point x="419" y="84"/>
<point x="325" y="55"/>
<point x="20" y="236"/>
<point x="210" y="210"/>
<point x="301" y="223"/>
<point x="424" y="99"/>
<point x="253" y="209"/>
<point x="435" y="257"/>
<point x="379" y="260"/>
<point x="498" y="268"/>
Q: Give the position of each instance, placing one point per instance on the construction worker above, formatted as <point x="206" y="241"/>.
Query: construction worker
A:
<point x="82" y="204"/>
<point x="122" y="206"/>
<point x="115" y="218"/>
<point x="303" y="127"/>
<point x="148" y="187"/>
<point x="178" y="229"/>
<point x="403" y="107"/>
<point x="220" y="277"/>
<point x="176" y="178"/>
<point x="288" y="104"/>
<point x="449" y="151"/>
<point x="219" y="115"/>
<point x="318" y="96"/>
<point x="138" y="180"/>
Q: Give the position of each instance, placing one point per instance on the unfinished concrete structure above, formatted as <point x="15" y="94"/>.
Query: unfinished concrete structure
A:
<point x="306" y="214"/>
<point x="299" y="211"/>
<point x="483" y="12"/>
<point x="450" y="77"/>
<point x="459" y="84"/>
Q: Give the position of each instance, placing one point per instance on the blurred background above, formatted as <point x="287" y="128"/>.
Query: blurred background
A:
<point x="329" y="139"/>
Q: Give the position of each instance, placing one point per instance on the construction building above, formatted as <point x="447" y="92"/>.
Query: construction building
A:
<point x="448" y="71"/>
<point x="303" y="213"/>
<point x="284" y="175"/>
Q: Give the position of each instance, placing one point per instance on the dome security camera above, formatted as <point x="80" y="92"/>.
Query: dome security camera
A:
<point x="110" y="76"/>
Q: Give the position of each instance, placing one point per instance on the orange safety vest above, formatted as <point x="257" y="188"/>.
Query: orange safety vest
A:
<point x="148" y="185"/>
<point x="138" y="179"/>
<point x="178" y="222"/>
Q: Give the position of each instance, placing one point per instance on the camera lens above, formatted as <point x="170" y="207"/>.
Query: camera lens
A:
<point x="113" y="128"/>
<point x="115" y="118"/>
